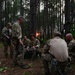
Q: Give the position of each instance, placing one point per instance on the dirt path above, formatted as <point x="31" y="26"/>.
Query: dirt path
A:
<point x="36" y="67"/>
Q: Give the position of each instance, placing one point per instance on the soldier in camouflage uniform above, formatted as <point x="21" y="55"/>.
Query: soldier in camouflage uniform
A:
<point x="70" y="41"/>
<point x="35" y="45"/>
<point x="6" y="38"/>
<point x="71" y="45"/>
<point x="18" y="56"/>
<point x="26" y="42"/>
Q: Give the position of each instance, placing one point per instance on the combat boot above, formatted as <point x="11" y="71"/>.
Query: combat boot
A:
<point x="24" y="66"/>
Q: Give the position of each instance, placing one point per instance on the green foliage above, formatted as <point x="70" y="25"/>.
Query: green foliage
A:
<point x="3" y="69"/>
<point x="73" y="66"/>
<point x="1" y="46"/>
<point x="72" y="30"/>
<point x="26" y="73"/>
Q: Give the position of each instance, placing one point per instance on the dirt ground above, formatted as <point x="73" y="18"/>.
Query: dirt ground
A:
<point x="36" y="67"/>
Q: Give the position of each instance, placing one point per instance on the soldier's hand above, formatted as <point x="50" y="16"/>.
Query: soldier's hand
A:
<point x="20" y="41"/>
<point x="8" y="37"/>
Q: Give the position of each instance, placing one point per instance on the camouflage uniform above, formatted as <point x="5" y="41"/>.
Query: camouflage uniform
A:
<point x="71" y="46"/>
<point x="6" y="38"/>
<point x="26" y="42"/>
<point x="46" y="57"/>
<point x="35" y="45"/>
<point x="18" y="56"/>
<point x="27" y="51"/>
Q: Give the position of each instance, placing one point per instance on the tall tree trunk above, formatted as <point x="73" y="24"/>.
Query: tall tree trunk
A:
<point x="8" y="12"/>
<point x="21" y="8"/>
<point x="67" y="11"/>
<point x="67" y="16"/>
<point x="46" y="16"/>
<point x="38" y="14"/>
<point x="72" y="10"/>
<point x="60" y="17"/>
<point x="5" y="10"/>
<point x="1" y="16"/>
<point x="33" y="16"/>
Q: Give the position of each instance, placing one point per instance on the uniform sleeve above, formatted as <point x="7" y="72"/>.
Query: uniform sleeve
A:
<point x="3" y="31"/>
<point x="29" y="42"/>
<point x="49" y="42"/>
<point x="46" y="48"/>
<point x="10" y="32"/>
<point x="70" y="46"/>
<point x="38" y="44"/>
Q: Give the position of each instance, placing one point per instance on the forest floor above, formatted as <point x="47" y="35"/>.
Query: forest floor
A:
<point x="7" y="67"/>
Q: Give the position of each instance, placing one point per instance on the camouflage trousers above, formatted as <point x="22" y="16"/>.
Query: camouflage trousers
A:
<point x="46" y="58"/>
<point x="35" y="53"/>
<point x="8" y="48"/>
<point x="18" y="55"/>
<point x="47" y="63"/>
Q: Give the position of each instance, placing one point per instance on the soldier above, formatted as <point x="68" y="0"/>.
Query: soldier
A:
<point x="55" y="48"/>
<point x="6" y="36"/>
<point x="18" y="56"/>
<point x="70" y="41"/>
<point x="26" y="42"/>
<point x="35" y="45"/>
<point x="71" y="45"/>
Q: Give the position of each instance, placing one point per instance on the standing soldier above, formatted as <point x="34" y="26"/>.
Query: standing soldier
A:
<point x="6" y="38"/>
<point x="18" y="56"/>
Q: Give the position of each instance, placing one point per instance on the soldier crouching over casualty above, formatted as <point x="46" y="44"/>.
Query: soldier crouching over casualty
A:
<point x="6" y="39"/>
<point x="55" y="48"/>
<point x="26" y="42"/>
<point x="28" y="53"/>
<point x="35" y="45"/>
<point x="18" y="55"/>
